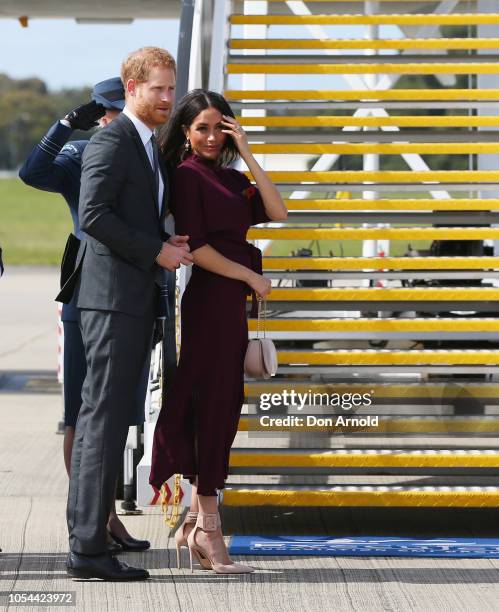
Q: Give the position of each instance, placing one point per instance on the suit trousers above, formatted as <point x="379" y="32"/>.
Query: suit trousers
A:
<point x="116" y="346"/>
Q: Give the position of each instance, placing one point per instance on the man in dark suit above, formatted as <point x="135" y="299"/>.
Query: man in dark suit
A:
<point x="54" y="164"/>
<point x="121" y="263"/>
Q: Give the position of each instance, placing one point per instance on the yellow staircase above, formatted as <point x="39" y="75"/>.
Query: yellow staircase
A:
<point x="400" y="327"/>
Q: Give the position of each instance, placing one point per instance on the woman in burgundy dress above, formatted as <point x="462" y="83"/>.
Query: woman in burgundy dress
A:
<point x="214" y="205"/>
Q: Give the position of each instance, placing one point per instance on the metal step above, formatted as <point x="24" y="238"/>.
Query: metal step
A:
<point x="347" y="325"/>
<point x="394" y="204"/>
<point x="424" y="19"/>
<point x="354" y="177"/>
<point x="374" y="233"/>
<point x="305" y="95"/>
<point x="385" y="299"/>
<point x="408" y="121"/>
<point x="363" y="43"/>
<point x="450" y="297"/>
<point x="285" y="66"/>
<point x="419" y="218"/>
<point x="380" y="263"/>
<point x="390" y="496"/>
<point x="291" y="105"/>
<point x="384" y="187"/>
<point x="396" y="148"/>
<point x="355" y="134"/>
<point x="388" y="357"/>
<point x="375" y="329"/>
<point x="396" y="370"/>
<point x="383" y="275"/>
<point x="406" y="427"/>
<point x="385" y="392"/>
<point x="374" y="62"/>
<point x="321" y="461"/>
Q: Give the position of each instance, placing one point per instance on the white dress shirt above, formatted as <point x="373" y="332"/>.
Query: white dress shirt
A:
<point x="145" y="134"/>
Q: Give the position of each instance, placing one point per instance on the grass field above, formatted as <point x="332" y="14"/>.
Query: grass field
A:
<point x="34" y="226"/>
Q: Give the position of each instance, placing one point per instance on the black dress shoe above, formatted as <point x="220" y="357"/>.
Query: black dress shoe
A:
<point x="130" y="543"/>
<point x="103" y="566"/>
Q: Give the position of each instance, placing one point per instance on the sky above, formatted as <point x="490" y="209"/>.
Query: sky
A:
<point x="65" y="54"/>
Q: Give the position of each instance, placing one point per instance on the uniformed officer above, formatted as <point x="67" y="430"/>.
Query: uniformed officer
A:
<point x="54" y="164"/>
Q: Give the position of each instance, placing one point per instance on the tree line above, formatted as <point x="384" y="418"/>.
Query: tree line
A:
<point x="27" y="110"/>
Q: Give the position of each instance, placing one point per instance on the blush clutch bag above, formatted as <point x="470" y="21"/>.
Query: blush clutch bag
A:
<point x="261" y="355"/>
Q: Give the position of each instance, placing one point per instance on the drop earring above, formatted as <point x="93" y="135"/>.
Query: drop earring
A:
<point x="187" y="149"/>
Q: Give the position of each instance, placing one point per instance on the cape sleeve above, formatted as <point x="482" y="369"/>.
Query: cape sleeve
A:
<point x="258" y="214"/>
<point x="188" y="207"/>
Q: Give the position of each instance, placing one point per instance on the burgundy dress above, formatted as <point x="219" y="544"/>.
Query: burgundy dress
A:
<point x="201" y="409"/>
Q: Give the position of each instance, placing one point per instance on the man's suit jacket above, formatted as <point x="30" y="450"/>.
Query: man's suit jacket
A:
<point x="118" y="213"/>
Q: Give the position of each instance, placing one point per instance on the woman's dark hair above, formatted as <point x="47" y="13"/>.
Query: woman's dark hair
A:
<point x="172" y="138"/>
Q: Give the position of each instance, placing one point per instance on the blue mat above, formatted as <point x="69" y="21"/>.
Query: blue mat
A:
<point x="366" y="546"/>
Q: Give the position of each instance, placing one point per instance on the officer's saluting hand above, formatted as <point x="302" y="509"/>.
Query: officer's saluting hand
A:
<point x="85" y="116"/>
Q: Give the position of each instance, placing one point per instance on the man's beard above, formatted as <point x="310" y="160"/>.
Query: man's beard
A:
<point x="148" y="113"/>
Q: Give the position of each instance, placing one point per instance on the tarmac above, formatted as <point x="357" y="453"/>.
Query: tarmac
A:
<point x="33" y="535"/>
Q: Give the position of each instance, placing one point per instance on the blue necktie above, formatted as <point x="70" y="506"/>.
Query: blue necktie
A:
<point x="155" y="155"/>
<point x="163" y="306"/>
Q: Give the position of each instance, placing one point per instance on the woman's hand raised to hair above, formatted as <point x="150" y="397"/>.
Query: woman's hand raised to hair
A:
<point x="237" y="134"/>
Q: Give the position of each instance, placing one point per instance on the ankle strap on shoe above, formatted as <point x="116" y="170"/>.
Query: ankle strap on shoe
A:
<point x="208" y="522"/>
<point x="191" y="517"/>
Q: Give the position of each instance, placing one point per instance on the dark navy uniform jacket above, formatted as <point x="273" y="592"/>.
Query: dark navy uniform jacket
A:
<point x="54" y="164"/>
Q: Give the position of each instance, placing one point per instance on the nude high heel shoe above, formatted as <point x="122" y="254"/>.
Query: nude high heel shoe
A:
<point x="181" y="540"/>
<point x="211" y="522"/>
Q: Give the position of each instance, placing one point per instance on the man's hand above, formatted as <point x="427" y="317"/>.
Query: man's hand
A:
<point x="85" y="117"/>
<point x="172" y="256"/>
<point x="179" y="241"/>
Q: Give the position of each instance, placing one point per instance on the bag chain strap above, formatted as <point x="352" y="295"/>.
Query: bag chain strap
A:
<point x="260" y="300"/>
